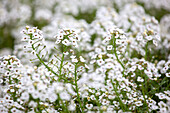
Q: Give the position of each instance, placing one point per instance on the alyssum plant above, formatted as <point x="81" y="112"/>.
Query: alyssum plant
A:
<point x="68" y="78"/>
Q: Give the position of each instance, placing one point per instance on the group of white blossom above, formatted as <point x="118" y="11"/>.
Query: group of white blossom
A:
<point x="85" y="56"/>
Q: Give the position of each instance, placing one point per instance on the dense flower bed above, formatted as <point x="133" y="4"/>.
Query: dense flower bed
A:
<point x="89" y="56"/>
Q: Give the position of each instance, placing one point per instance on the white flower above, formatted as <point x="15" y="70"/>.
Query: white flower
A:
<point x="100" y="62"/>
<point x="98" y="50"/>
<point x="109" y="65"/>
<point x="105" y="102"/>
<point x="59" y="89"/>
<point x="82" y="59"/>
<point x="155" y="42"/>
<point x="118" y="41"/>
<point x="140" y="79"/>
<point x="74" y="60"/>
<point x="52" y="97"/>
<point x="154" y="107"/>
<point x="109" y="47"/>
<point x="89" y="106"/>
<point x="60" y="36"/>
<point x="33" y="52"/>
<point x="25" y="96"/>
<point x="32" y="104"/>
<point x="111" y="97"/>
<point x="65" y="53"/>
<point x="36" y="77"/>
<point x="149" y="37"/>
<point x="25" y="38"/>
<point x="133" y="68"/>
<point x="14" y="110"/>
<point x="30" y="31"/>
<point x="74" y="41"/>
<point x="35" y="94"/>
<point x="57" y="41"/>
<point x="66" y="42"/>
<point x="92" y="97"/>
<point x="12" y="90"/>
<point x="65" y="96"/>
<point x="4" y="63"/>
<point x="167" y="92"/>
<point x="139" y="38"/>
<point x="72" y="107"/>
<point x="164" y="110"/>
<point x="162" y="105"/>
<point x="31" y="89"/>
<point x="42" y="96"/>
<point x="138" y="103"/>
<point x="161" y="95"/>
<point x="86" y="66"/>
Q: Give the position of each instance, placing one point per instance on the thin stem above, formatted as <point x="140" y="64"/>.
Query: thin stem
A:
<point x="49" y="69"/>
<point x="143" y="92"/>
<point x="123" y="106"/>
<point x="61" y="65"/>
<point x="114" y="45"/>
<point x="146" y="51"/>
<point x="75" y="75"/>
<point x="98" y="104"/>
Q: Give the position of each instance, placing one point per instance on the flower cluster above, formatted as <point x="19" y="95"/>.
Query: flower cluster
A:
<point x="89" y="56"/>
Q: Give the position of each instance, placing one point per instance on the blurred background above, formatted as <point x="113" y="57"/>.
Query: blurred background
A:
<point x="16" y="14"/>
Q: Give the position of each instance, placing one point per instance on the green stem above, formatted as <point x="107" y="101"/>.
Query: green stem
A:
<point x="49" y="69"/>
<point x="143" y="92"/>
<point x="114" y="45"/>
<point x="61" y="65"/>
<point x="75" y="75"/>
<point x="123" y="106"/>
<point x="146" y="83"/>
<point x="98" y="104"/>
<point x="65" y="109"/>
<point x="146" y="51"/>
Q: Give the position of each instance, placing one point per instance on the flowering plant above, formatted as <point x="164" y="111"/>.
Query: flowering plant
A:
<point x="116" y="60"/>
